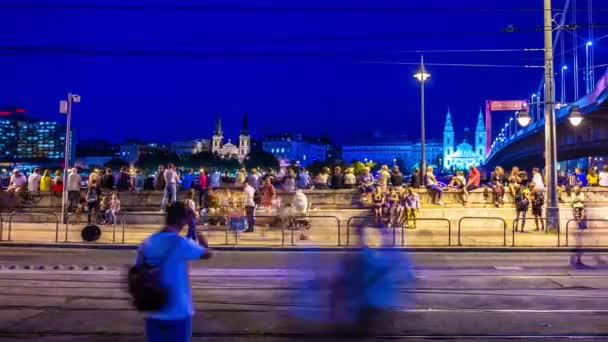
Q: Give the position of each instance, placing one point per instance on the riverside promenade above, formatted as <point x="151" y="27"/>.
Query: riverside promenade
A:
<point x="333" y="215"/>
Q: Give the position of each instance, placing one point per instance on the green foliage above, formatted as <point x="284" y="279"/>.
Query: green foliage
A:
<point x="115" y="163"/>
<point x="261" y="159"/>
<point x="359" y="166"/>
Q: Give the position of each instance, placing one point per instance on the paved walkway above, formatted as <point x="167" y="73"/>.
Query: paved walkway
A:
<point x="471" y="234"/>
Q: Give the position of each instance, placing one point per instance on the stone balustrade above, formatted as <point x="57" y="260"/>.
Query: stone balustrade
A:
<point x="319" y="199"/>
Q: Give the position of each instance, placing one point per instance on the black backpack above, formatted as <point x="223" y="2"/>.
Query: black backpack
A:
<point x="145" y="286"/>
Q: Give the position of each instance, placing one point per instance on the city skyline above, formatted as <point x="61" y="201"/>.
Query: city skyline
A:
<point x="169" y="82"/>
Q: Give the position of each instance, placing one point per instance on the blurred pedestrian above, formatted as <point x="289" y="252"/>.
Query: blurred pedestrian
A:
<point x="384" y="178"/>
<point x="113" y="209"/>
<point x="18" y="182"/>
<point x="187" y="179"/>
<point x="396" y="178"/>
<point x="249" y="204"/>
<point x="190" y="203"/>
<point x="289" y="181"/>
<point x="411" y="203"/>
<point x="593" y="179"/>
<point x="58" y="182"/>
<point x="203" y="186"/>
<point x="349" y="179"/>
<point x="322" y="179"/>
<point x="522" y="203"/>
<point x="337" y="178"/>
<point x="433" y="185"/>
<point x="268" y="193"/>
<point x="538" y="200"/>
<point x="92" y="198"/>
<point x="377" y="204"/>
<point x="123" y="181"/>
<point x="415" y="180"/>
<point x="171" y="180"/>
<point x="140" y="181"/>
<point x="107" y="181"/>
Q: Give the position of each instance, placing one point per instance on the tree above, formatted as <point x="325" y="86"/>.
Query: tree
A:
<point x="262" y="159"/>
<point x="116" y="163"/>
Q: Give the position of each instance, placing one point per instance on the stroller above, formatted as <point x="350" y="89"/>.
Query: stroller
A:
<point x="299" y="219"/>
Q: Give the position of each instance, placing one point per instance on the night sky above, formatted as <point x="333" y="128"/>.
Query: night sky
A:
<point x="164" y="74"/>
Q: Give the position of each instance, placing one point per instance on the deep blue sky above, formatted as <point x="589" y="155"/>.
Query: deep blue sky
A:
<point x="164" y="74"/>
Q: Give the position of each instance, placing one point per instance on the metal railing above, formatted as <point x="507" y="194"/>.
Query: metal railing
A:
<point x="431" y="219"/>
<point x="376" y="224"/>
<point x="96" y="216"/>
<point x="127" y="214"/>
<point x="504" y="224"/>
<point x="1" y="226"/>
<point x="585" y="221"/>
<point x="13" y="214"/>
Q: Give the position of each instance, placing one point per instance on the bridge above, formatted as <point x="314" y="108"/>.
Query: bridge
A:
<point x="525" y="146"/>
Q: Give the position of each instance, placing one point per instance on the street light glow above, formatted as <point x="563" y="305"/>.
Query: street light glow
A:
<point x="523" y="118"/>
<point x="422" y="75"/>
<point x="576" y="117"/>
<point x="589" y="43"/>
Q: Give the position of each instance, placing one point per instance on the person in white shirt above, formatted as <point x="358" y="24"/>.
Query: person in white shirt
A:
<point x="33" y="184"/>
<point x="18" y="182"/>
<point x="171" y="180"/>
<point x="249" y="203"/>
<point x="537" y="179"/>
<point x="604" y="176"/>
<point x="73" y="189"/>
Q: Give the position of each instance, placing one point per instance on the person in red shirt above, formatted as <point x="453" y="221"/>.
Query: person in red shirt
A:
<point x="472" y="183"/>
<point x="58" y="182"/>
<point x="203" y="184"/>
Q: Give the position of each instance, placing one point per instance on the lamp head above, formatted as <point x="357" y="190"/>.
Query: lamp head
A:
<point x="422" y="75"/>
<point x="576" y="117"/>
<point x="523" y="118"/>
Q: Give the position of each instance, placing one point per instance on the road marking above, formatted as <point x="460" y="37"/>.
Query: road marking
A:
<point x="508" y="268"/>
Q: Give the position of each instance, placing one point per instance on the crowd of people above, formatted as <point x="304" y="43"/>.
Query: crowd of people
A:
<point x="389" y="192"/>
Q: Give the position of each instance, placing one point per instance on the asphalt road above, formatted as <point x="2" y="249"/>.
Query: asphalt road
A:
<point x="247" y="296"/>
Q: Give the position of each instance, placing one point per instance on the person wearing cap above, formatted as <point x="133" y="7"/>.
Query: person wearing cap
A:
<point x="74" y="180"/>
<point x="18" y="182"/>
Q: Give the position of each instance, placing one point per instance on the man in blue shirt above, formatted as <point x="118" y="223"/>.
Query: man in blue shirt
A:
<point x="188" y="180"/>
<point x="581" y="178"/>
<point x="174" y="321"/>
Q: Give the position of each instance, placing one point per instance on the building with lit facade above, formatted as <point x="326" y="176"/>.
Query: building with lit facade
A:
<point x="295" y="148"/>
<point x="27" y="139"/>
<point x="392" y="151"/>
<point x="470" y="152"/>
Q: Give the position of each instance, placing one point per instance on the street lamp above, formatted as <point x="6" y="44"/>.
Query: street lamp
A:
<point x="588" y="67"/>
<point x="576" y="117"/>
<point x="422" y="75"/>
<point x="65" y="107"/>
<point x="514" y="127"/>
<point x="523" y="118"/>
<point x="563" y="87"/>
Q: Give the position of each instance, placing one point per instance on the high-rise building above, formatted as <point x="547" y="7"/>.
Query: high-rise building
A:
<point x="23" y="138"/>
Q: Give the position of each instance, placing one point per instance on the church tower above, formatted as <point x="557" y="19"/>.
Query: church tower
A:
<point x="480" y="138"/>
<point x="448" y="140"/>
<point x="244" y="139"/>
<point x="218" y="136"/>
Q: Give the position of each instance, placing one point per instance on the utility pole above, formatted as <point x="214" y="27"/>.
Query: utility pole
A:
<point x="550" y="134"/>
<point x="65" y="107"/>
<point x="422" y="128"/>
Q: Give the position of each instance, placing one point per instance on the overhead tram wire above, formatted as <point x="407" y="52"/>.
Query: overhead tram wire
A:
<point x="472" y="50"/>
<point x="267" y="8"/>
<point x="460" y="64"/>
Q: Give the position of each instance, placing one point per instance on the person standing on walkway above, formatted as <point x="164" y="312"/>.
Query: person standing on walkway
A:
<point x="337" y="179"/>
<point x="415" y="181"/>
<point x="578" y="212"/>
<point x="538" y="200"/>
<point x="203" y="185"/>
<point x="254" y="179"/>
<point x="192" y="234"/>
<point x="384" y="178"/>
<point x="74" y="183"/>
<point x="215" y="179"/>
<point x="188" y="179"/>
<point x="249" y="204"/>
<point x="123" y="181"/>
<point x="268" y="193"/>
<point x="107" y="181"/>
<point x="303" y="179"/>
<point x="171" y="180"/>
<point x="289" y="181"/>
<point x="411" y="203"/>
<point x="159" y="179"/>
<point x="522" y="202"/>
<point x="33" y="183"/>
<point x="92" y="197"/>
<point x="397" y="178"/>
<point x="171" y="253"/>
<point x="140" y="181"/>
<point x="537" y="179"/>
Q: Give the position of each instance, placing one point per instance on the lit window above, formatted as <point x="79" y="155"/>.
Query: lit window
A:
<point x="282" y="150"/>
